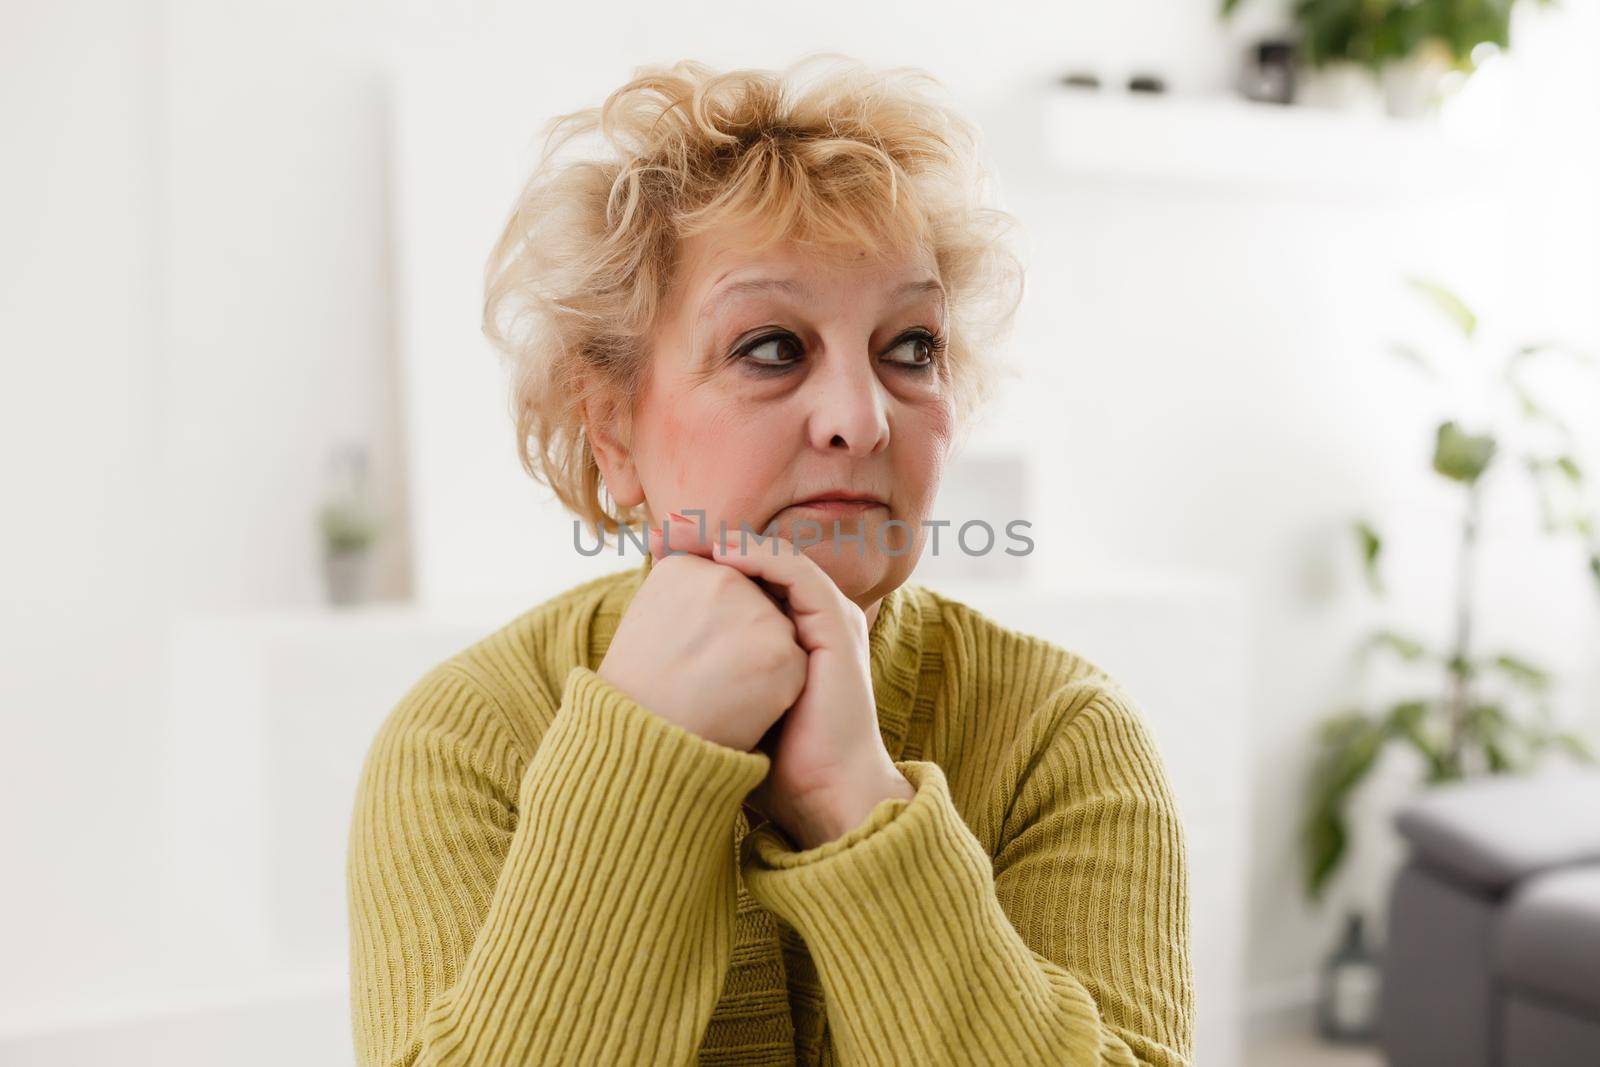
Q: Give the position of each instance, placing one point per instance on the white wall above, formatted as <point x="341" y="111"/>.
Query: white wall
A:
<point x="193" y="269"/>
<point x="1207" y="380"/>
<point x="80" y="642"/>
<point x="197" y="302"/>
<point x="278" y="290"/>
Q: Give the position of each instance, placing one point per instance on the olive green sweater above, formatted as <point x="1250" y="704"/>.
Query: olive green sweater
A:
<point x="542" y="871"/>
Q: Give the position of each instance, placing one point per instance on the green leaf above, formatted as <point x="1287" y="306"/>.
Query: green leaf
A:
<point x="1371" y="546"/>
<point x="1533" y="411"/>
<point x="1408" y="721"/>
<point x="1539" y="466"/>
<point x="1325" y="841"/>
<point x="1407" y="648"/>
<point x="1460" y="455"/>
<point x="1337" y="730"/>
<point x="1492" y="729"/>
<point x="1487" y="720"/>
<point x="1520" y="671"/>
<point x="1575" y="746"/>
<point x="1350" y="746"/>
<point x="1453" y="307"/>
<point x="1407" y="716"/>
<point x="1500" y="760"/>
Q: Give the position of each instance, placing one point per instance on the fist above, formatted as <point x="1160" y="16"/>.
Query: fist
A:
<point x="704" y="647"/>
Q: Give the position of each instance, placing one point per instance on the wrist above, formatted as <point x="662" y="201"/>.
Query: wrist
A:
<point x="841" y="810"/>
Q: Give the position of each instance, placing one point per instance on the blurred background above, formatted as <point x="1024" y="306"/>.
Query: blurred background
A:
<point x="1304" y="422"/>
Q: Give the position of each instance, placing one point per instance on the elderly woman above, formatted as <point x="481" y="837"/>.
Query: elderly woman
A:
<point x="762" y="801"/>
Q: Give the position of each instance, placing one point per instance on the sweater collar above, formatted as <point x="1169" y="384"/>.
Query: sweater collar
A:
<point x="894" y="650"/>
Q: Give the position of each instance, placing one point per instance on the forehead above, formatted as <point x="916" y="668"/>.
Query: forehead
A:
<point x="718" y="268"/>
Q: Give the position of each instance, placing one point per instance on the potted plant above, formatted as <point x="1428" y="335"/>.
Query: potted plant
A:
<point x="1403" y="50"/>
<point x="349" y="528"/>
<point x="1458" y="726"/>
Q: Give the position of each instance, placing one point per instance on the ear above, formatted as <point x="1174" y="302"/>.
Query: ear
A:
<point x="603" y="430"/>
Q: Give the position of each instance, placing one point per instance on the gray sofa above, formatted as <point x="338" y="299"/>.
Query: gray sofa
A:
<point x="1492" y="957"/>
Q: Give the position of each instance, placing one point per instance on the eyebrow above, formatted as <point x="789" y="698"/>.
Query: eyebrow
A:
<point x="727" y="293"/>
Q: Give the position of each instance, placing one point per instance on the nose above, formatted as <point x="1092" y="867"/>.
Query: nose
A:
<point x="848" y="408"/>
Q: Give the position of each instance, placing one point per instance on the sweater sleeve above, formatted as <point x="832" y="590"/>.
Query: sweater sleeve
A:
<point x="579" y="913"/>
<point x="1069" y="947"/>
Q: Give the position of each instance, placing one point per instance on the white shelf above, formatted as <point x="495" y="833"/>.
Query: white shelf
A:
<point x="156" y="996"/>
<point x="1247" y="148"/>
<point x="254" y="1018"/>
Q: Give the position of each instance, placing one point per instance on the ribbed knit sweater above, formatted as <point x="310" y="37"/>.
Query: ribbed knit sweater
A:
<point x="543" y="871"/>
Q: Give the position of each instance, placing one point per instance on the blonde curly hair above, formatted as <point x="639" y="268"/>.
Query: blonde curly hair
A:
<point x="859" y="158"/>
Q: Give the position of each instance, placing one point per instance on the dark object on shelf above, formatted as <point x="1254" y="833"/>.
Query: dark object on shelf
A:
<point x="1081" y="79"/>
<point x="1347" y="1002"/>
<point x="1146" y="83"/>
<point x="1269" y="76"/>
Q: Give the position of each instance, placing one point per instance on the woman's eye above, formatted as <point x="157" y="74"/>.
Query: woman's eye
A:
<point x="772" y="347"/>
<point x="924" y="349"/>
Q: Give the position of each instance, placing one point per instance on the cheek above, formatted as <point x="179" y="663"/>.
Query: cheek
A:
<point x="715" y="450"/>
<point x="930" y="428"/>
<point x="923" y="448"/>
<point x="941" y="424"/>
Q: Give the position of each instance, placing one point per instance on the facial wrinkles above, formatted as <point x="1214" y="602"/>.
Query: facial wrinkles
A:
<point x="706" y="340"/>
<point x="812" y="326"/>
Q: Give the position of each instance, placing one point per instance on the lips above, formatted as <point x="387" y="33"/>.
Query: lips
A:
<point x="839" y="503"/>
<point x="840" y="497"/>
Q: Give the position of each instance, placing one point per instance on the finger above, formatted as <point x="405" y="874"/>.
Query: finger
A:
<point x="679" y="535"/>
<point x="816" y="605"/>
<point x="682" y="536"/>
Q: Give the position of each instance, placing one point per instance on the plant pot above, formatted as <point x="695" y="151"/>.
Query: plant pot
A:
<point x="1341" y="86"/>
<point x="347" y="575"/>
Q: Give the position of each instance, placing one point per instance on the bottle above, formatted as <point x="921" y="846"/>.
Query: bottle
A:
<point x="1347" y="1002"/>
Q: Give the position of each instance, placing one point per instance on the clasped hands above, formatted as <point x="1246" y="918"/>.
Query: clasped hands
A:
<point x="758" y="649"/>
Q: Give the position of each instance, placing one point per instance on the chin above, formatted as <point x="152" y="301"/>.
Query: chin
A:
<point x="863" y="572"/>
<point x="861" y="577"/>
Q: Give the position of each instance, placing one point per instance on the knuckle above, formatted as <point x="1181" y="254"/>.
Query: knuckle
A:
<point x="772" y="655"/>
<point x="727" y="578"/>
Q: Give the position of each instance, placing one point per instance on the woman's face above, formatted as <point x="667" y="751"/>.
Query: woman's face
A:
<point x="779" y="376"/>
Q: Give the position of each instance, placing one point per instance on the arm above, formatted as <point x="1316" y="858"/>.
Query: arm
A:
<point x="1070" y="947"/>
<point x="579" y="913"/>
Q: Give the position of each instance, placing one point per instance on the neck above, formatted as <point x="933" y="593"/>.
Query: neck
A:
<point x="872" y="612"/>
